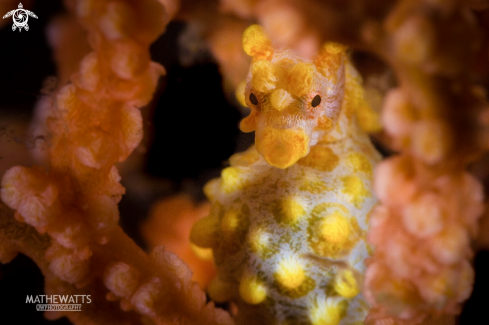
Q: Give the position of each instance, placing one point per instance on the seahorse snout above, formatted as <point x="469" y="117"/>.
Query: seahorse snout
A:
<point x="282" y="147"/>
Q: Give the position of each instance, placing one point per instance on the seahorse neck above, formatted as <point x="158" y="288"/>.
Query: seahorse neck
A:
<point x="346" y="127"/>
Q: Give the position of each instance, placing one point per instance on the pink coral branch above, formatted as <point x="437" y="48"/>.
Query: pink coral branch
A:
<point x="95" y="122"/>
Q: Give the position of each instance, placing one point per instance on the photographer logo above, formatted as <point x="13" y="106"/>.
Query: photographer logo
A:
<point x="58" y="302"/>
<point x="20" y="17"/>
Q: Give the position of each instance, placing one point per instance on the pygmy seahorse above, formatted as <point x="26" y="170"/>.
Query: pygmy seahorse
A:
<point x="289" y="216"/>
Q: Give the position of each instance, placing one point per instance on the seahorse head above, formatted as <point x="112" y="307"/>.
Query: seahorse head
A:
<point x="293" y="102"/>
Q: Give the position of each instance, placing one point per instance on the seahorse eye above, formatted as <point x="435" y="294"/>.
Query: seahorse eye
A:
<point x="316" y="101"/>
<point x="253" y="99"/>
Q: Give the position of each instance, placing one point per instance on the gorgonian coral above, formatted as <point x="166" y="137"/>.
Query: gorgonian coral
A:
<point x="94" y="122"/>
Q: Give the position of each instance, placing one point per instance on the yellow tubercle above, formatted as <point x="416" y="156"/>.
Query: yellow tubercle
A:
<point x="291" y="209"/>
<point x="230" y="222"/>
<point x="256" y="43"/>
<point x="212" y="188"/>
<point x="335" y="228"/>
<point x="204" y="254"/>
<point x="356" y="101"/>
<point x="346" y="284"/>
<point x="300" y="78"/>
<point x="280" y="99"/>
<point x="314" y="186"/>
<point x="245" y="158"/>
<point x="203" y="233"/>
<point x="334" y="48"/>
<point x="259" y="240"/>
<point x="329" y="59"/>
<point x="333" y="231"/>
<point x="290" y="272"/>
<point x="355" y="189"/>
<point x="327" y="311"/>
<point x="232" y="179"/>
<point x="358" y="162"/>
<point x="240" y="93"/>
<point x="252" y="290"/>
<point x="264" y="76"/>
<point x="368" y="119"/>
<point x="320" y="157"/>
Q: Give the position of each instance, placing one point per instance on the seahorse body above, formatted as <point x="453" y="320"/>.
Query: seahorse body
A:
<point x="290" y="215"/>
